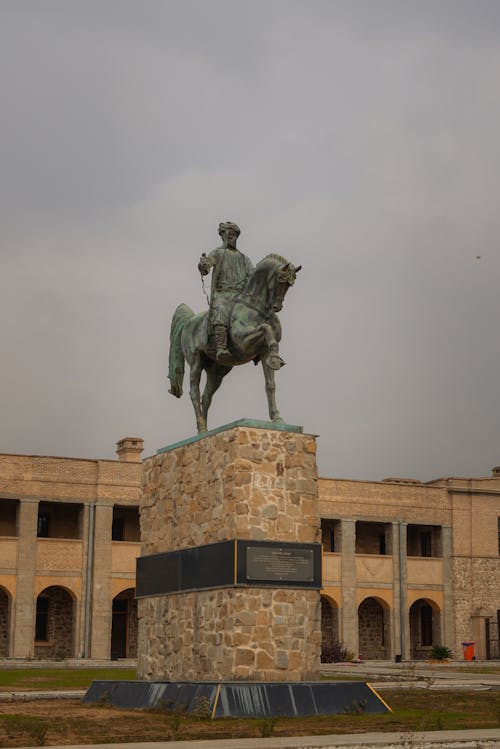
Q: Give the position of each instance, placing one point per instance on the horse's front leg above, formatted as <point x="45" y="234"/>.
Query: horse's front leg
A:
<point x="194" y="392"/>
<point x="274" y="414"/>
<point x="272" y="357"/>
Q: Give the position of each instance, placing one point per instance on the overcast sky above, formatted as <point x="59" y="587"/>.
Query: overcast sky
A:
<point x="359" y="138"/>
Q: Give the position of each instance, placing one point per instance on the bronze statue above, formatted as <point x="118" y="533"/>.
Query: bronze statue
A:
<point x="241" y="325"/>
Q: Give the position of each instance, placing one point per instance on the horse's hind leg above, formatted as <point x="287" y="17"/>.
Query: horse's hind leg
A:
<point x="215" y="375"/>
<point x="194" y="392"/>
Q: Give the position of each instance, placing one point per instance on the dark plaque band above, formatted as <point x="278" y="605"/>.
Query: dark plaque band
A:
<point x="227" y="564"/>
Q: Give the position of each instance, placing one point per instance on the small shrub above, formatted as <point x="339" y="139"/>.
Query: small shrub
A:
<point x="441" y="653"/>
<point x="333" y="652"/>
<point x="201" y="707"/>
<point x="35" y="728"/>
<point x="175" y="721"/>
<point x="357" y="707"/>
<point x="267" y="726"/>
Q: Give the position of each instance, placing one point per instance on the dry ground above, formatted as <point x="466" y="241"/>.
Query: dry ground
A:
<point x="46" y="722"/>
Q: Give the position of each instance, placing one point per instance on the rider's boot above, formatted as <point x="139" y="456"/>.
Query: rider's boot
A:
<point x="221" y="350"/>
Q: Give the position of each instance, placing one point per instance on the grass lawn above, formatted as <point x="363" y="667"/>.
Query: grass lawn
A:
<point x="71" y="722"/>
<point x="24" y="679"/>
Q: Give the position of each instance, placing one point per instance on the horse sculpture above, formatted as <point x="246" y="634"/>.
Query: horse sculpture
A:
<point x="254" y="335"/>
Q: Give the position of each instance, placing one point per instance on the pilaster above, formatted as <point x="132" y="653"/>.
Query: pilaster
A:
<point x="101" y="590"/>
<point x="396" y="590"/>
<point x="448" y="628"/>
<point x="405" y="644"/>
<point x="24" y="612"/>
<point x="349" y="612"/>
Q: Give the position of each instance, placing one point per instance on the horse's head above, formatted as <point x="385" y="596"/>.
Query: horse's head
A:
<point x="283" y="278"/>
<point x="270" y="281"/>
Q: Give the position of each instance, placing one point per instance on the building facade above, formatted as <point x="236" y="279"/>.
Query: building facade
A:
<point x="405" y="564"/>
<point x="69" y="538"/>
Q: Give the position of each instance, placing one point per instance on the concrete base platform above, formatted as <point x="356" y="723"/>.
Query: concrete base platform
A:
<point x="242" y="699"/>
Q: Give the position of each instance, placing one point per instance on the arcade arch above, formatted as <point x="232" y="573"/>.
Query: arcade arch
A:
<point x="124" y="625"/>
<point x="329" y="625"/>
<point x="55" y="623"/>
<point x="425" y="627"/>
<point x="374" y="629"/>
<point x="5" y="615"/>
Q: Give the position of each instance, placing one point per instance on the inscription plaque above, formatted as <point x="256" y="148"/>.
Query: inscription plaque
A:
<point x="280" y="564"/>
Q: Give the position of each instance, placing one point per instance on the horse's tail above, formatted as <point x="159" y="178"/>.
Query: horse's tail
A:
<point x="182" y="314"/>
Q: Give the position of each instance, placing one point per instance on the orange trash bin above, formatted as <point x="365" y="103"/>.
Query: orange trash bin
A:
<point x="468" y="650"/>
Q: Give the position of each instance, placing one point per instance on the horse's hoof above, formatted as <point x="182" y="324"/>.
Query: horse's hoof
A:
<point x="278" y="420"/>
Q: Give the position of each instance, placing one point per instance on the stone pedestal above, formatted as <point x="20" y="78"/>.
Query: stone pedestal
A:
<point x="245" y="481"/>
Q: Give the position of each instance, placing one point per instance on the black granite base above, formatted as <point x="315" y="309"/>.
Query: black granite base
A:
<point x="242" y="699"/>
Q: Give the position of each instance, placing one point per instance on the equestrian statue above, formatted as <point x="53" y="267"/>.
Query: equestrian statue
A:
<point x="240" y="326"/>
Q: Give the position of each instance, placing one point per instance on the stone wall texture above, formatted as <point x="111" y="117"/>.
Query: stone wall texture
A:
<point x="244" y="483"/>
<point x="476" y="583"/>
<point x="253" y="634"/>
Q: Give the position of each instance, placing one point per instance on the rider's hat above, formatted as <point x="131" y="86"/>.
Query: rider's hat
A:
<point x="224" y="226"/>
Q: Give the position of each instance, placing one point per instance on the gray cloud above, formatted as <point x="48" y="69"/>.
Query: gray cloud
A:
<point x="360" y="139"/>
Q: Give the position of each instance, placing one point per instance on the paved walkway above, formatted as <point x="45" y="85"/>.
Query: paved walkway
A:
<point x="387" y="675"/>
<point x="480" y="739"/>
<point x="12" y="664"/>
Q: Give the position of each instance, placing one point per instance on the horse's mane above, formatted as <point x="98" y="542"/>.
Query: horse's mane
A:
<point x="272" y="259"/>
<point x="262" y="271"/>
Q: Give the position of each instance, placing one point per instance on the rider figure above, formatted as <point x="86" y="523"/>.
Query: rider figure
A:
<point x="231" y="271"/>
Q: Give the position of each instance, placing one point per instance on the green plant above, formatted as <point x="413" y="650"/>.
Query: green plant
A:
<point x="267" y="726"/>
<point x="202" y="707"/>
<point x="441" y="653"/>
<point x="333" y="652"/>
<point x="357" y="707"/>
<point x="104" y="699"/>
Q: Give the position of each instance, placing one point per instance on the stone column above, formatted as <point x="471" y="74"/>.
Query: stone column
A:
<point x="242" y="482"/>
<point x="100" y="640"/>
<point x="81" y="607"/>
<point x="349" y="613"/>
<point x="404" y="615"/>
<point x="24" y="612"/>
<point x="448" y="628"/>
<point x="396" y="591"/>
